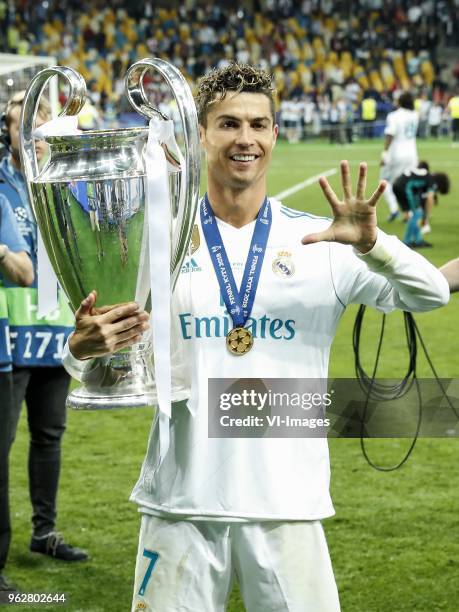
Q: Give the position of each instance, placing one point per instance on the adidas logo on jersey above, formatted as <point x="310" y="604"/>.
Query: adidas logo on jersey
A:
<point x="191" y="266"/>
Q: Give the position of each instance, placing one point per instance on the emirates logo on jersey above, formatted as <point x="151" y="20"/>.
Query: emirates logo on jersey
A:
<point x="283" y="265"/>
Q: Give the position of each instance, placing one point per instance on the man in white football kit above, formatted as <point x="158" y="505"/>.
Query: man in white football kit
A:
<point x="250" y="508"/>
<point x="400" y="153"/>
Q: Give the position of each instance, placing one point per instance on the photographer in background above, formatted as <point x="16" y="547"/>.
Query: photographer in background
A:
<point x="36" y="347"/>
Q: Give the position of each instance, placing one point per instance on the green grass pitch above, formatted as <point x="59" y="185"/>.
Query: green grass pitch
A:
<point x="394" y="541"/>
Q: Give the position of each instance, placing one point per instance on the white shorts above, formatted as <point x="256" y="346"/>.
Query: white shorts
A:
<point x="395" y="168"/>
<point x="189" y="566"/>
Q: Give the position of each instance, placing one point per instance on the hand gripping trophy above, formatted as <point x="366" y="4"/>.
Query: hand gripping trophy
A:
<point x="111" y="221"/>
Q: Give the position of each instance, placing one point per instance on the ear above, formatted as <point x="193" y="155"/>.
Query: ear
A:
<point x="275" y="135"/>
<point x="202" y="134"/>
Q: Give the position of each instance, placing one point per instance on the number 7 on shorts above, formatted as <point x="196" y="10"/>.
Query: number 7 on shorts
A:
<point x="153" y="558"/>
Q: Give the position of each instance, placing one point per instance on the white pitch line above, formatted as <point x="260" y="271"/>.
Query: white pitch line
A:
<point x="299" y="186"/>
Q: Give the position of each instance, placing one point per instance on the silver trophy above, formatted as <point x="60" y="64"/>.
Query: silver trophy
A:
<point x="89" y="201"/>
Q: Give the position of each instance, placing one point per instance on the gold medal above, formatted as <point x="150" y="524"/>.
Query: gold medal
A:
<point x="239" y="341"/>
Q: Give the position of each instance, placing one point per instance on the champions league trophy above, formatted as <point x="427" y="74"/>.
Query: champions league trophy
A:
<point x="93" y="208"/>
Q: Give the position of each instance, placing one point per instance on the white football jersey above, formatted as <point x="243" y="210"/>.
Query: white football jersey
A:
<point x="402" y="125"/>
<point x="302" y="293"/>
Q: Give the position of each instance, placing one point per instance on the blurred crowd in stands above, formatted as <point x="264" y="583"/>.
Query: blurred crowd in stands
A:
<point x="327" y="56"/>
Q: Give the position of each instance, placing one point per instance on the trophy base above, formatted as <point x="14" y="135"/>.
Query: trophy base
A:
<point x="121" y="380"/>
<point x="83" y="398"/>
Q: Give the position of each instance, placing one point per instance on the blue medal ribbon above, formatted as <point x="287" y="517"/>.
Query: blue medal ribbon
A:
<point x="238" y="303"/>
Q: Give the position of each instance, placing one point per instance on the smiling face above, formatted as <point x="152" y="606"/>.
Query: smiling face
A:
<point x="238" y="139"/>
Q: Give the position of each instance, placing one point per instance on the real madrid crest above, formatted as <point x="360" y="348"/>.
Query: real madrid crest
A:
<point x="283" y="265"/>
<point x="195" y="240"/>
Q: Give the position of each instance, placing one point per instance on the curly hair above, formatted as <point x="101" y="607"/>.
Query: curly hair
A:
<point x="441" y="179"/>
<point x="234" y="77"/>
<point x="406" y="100"/>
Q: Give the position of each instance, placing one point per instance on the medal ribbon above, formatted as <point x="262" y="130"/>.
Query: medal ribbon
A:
<point x="238" y="303"/>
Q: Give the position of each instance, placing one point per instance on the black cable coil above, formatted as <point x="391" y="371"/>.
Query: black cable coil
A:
<point x="386" y="392"/>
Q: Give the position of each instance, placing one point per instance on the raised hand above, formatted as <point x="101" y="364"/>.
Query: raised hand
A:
<point x="100" y="331"/>
<point x="354" y="217"/>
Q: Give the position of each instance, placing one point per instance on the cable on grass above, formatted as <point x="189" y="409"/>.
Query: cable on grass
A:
<point x="386" y="392"/>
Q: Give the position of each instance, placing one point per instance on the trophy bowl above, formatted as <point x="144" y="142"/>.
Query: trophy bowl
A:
<point x="90" y="203"/>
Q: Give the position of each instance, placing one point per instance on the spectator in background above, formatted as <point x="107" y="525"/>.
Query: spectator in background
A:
<point x="341" y="105"/>
<point x="334" y="120"/>
<point x="352" y="91"/>
<point x="434" y="119"/>
<point x="291" y="117"/>
<point x="453" y="109"/>
<point x="297" y="117"/>
<point x="445" y="125"/>
<point x="16" y="266"/>
<point x="309" y="110"/>
<point x="323" y="107"/>
<point x="368" y="112"/>
<point x="349" y="121"/>
<point x="38" y="375"/>
<point x="422" y="106"/>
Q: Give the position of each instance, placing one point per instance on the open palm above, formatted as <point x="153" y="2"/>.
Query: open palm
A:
<point x="354" y="217"/>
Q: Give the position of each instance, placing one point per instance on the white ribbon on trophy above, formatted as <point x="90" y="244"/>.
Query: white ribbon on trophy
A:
<point x="159" y="251"/>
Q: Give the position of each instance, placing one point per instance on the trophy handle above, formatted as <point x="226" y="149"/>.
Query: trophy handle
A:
<point x="187" y="109"/>
<point x="75" y="102"/>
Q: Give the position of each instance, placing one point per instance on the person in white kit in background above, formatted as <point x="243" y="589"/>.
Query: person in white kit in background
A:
<point x="216" y="508"/>
<point x="400" y="152"/>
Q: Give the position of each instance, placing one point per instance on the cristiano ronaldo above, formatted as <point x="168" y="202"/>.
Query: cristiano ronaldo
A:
<point x="245" y="508"/>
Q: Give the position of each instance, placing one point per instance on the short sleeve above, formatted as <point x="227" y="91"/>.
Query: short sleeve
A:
<point x="390" y="125"/>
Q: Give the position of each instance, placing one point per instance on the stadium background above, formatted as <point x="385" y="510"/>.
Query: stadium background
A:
<point x="394" y="540"/>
